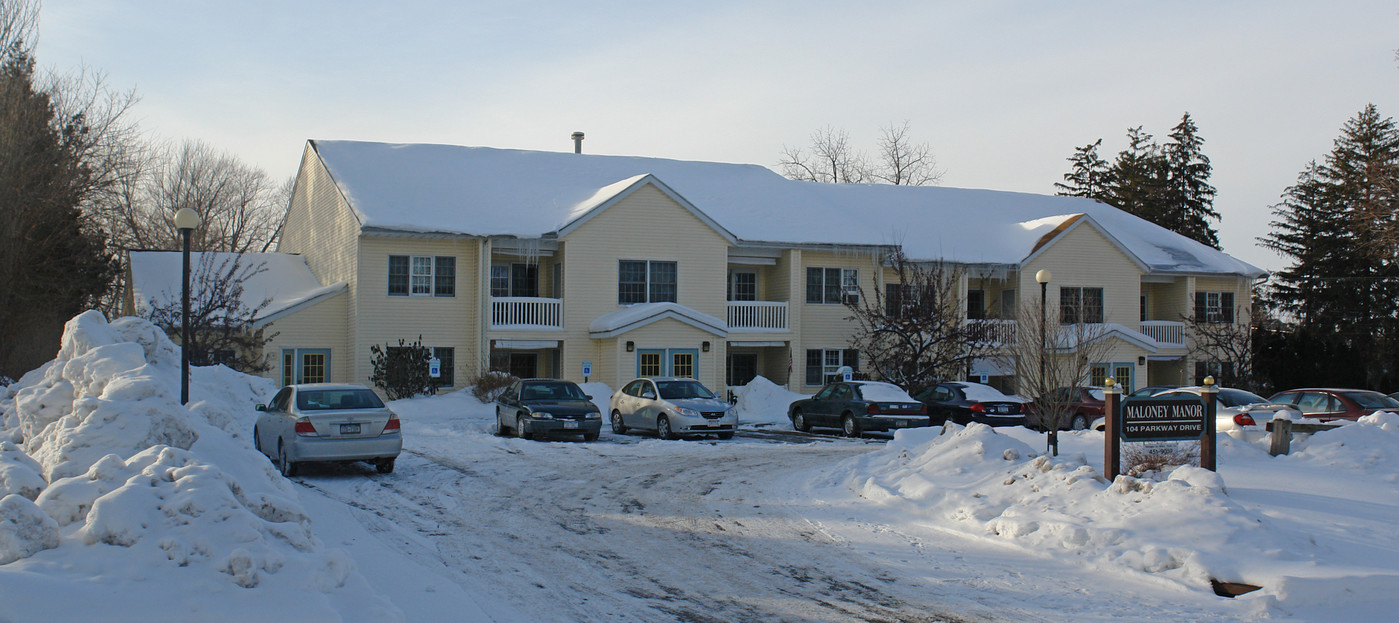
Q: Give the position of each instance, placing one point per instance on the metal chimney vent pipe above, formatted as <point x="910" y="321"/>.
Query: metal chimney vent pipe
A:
<point x="577" y="142"/>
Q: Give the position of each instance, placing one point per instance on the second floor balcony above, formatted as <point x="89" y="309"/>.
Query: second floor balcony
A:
<point x="526" y="312"/>
<point x="757" y="316"/>
<point x="1165" y="332"/>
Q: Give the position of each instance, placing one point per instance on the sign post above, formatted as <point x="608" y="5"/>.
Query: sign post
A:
<point x="587" y="370"/>
<point x="1112" y="436"/>
<point x="1211" y="395"/>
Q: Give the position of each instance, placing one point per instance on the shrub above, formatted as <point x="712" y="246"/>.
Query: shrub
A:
<point x="402" y="371"/>
<point x="488" y="386"/>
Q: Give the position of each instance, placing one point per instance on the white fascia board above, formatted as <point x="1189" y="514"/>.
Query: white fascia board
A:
<point x="1142" y="266"/>
<point x="638" y="183"/>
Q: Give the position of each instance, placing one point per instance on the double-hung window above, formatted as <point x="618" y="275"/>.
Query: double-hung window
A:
<point x="1214" y="307"/>
<point x="646" y="281"/>
<point x="1080" y="305"/>
<point x="823" y="364"/>
<point x="422" y="275"/>
<point x="832" y="286"/>
<point x="743" y="286"/>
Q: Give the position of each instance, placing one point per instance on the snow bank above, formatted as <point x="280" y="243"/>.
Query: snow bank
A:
<point x="1182" y="525"/>
<point x="166" y="505"/>
<point x="764" y="403"/>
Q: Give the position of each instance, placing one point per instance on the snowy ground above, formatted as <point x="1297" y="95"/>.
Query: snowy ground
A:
<point x="126" y="506"/>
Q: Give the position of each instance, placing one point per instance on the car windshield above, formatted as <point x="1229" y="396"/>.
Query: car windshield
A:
<point x="551" y="391"/>
<point x="1372" y="400"/>
<point x="325" y="399"/>
<point x="884" y="392"/>
<point x="1239" y="398"/>
<point x="983" y="393"/>
<point x="677" y="390"/>
<point x="1097" y="393"/>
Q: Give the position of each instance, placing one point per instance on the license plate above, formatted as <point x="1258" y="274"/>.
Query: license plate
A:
<point x="570" y="424"/>
<point x="349" y="429"/>
<point x="900" y="424"/>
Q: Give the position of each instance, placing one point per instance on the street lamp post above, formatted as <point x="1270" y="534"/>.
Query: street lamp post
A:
<point x="1043" y="278"/>
<point x="186" y="220"/>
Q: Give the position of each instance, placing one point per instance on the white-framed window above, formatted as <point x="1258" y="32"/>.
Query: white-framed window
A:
<point x="422" y="275"/>
<point x="515" y="280"/>
<point x="832" y="286"/>
<point x="823" y="364"/>
<point x="1214" y="307"/>
<point x="743" y="285"/>
<point x="646" y="281"/>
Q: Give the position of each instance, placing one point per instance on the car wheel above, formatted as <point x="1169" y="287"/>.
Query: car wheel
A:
<point x="850" y="426"/>
<point x="499" y="430"/>
<point x="663" y="428"/>
<point x="799" y="421"/>
<point x="520" y="427"/>
<point x="726" y="435"/>
<point x="384" y="466"/>
<point x="257" y="441"/>
<point x="617" y="425"/>
<point x="1080" y="422"/>
<point x="288" y="467"/>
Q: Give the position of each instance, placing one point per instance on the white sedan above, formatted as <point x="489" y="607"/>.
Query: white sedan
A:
<point x="327" y="422"/>
<point x="671" y="407"/>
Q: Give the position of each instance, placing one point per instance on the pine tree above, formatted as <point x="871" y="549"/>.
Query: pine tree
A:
<point x="1089" y="177"/>
<point x="1188" y="197"/>
<point x="1338" y="225"/>
<point x="1138" y="177"/>
<point x="53" y="261"/>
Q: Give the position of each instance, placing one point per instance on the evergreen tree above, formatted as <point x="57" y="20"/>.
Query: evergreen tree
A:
<point x="53" y="262"/>
<point x="1188" y="201"/>
<point x="1089" y="177"/>
<point x="1338" y="224"/>
<point x="1138" y="177"/>
<point x="1167" y="185"/>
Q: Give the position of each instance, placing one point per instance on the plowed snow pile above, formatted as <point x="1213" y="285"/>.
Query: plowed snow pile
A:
<point x="1184" y="525"/>
<point x="116" y="494"/>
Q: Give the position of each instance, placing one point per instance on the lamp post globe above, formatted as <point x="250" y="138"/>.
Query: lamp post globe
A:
<point x="186" y="220"/>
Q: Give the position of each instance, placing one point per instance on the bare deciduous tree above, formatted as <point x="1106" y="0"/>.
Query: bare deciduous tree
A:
<point x="222" y="324"/>
<point x="1231" y="342"/>
<point x="831" y="159"/>
<point x="1052" y="366"/>
<point x="904" y="162"/>
<point x="915" y="333"/>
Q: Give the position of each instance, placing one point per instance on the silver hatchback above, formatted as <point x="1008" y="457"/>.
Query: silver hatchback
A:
<point x="327" y="422"/>
<point x="671" y="407"/>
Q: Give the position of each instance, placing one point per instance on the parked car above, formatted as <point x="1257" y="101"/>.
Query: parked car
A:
<point x="327" y="422"/>
<point x="539" y="408"/>
<point x="859" y="406"/>
<point x="1151" y="390"/>
<point x="964" y="402"/>
<point x="1240" y="414"/>
<point x="1336" y="404"/>
<point x="671" y="407"/>
<point x="1085" y="405"/>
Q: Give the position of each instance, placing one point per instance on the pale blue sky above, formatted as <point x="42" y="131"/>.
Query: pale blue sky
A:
<point x="1002" y="90"/>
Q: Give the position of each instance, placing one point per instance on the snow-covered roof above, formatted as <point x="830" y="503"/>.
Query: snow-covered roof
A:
<point x="640" y="315"/>
<point x="487" y="191"/>
<point x="283" y="279"/>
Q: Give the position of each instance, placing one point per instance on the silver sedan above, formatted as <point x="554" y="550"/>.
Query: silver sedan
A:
<point x="327" y="422"/>
<point x="671" y="407"/>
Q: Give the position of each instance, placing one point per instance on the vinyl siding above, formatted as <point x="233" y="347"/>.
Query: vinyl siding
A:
<point x="824" y="325"/>
<point x="441" y="321"/>
<point x="321" y="325"/>
<point x="1084" y="258"/>
<point x="645" y="225"/>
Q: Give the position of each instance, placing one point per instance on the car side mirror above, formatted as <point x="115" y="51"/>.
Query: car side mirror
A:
<point x="588" y="396"/>
<point x="259" y="407"/>
<point x="648" y="395"/>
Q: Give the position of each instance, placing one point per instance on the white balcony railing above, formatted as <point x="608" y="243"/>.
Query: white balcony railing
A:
<point x="524" y="311"/>
<point x="1165" y="331"/>
<point x="758" y="315"/>
<point x="998" y="332"/>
